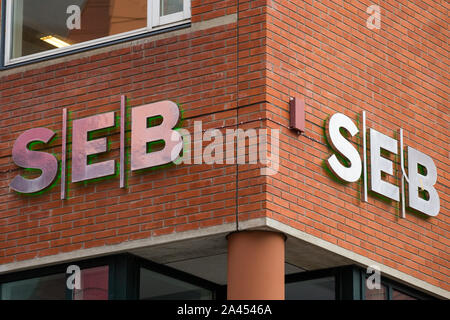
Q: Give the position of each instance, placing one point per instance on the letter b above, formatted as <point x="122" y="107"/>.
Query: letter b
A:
<point x="141" y="135"/>
<point x="426" y="182"/>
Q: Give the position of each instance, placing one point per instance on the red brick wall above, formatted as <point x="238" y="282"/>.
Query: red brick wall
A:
<point x="202" y="10"/>
<point x="196" y="70"/>
<point x="251" y="32"/>
<point x="323" y="52"/>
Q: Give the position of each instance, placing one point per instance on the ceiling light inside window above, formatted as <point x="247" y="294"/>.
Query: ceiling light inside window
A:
<point x="58" y="43"/>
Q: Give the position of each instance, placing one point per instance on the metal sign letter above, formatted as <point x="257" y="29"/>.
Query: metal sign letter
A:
<point x="379" y="164"/>
<point x="82" y="148"/>
<point x="343" y="147"/>
<point x="26" y="158"/>
<point x="424" y="182"/>
<point x="141" y="135"/>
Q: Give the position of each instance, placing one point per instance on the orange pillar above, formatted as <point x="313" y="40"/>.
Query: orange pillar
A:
<point x="255" y="265"/>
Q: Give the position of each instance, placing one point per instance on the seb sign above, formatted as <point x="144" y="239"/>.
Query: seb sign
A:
<point x="82" y="147"/>
<point x="346" y="164"/>
<point x="422" y="173"/>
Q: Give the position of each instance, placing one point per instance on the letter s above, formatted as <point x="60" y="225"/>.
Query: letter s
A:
<point x="25" y="158"/>
<point x="343" y="147"/>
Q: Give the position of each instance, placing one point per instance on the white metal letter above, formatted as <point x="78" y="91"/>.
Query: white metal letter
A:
<point x="379" y="164"/>
<point x="82" y="148"/>
<point x="344" y="148"/>
<point x="141" y="135"/>
<point x="422" y="181"/>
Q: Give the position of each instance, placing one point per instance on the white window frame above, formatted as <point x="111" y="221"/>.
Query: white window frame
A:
<point x="154" y="22"/>
<point x="162" y="20"/>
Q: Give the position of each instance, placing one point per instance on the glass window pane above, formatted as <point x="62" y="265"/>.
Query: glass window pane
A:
<point x="398" y="295"/>
<point x="94" y="284"/>
<point x="156" y="286"/>
<point x="171" y="6"/>
<point x="51" y="287"/>
<point x="376" y="294"/>
<point x="315" y="289"/>
<point x="48" y="24"/>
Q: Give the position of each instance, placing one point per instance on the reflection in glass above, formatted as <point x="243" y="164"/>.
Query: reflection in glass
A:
<point x="51" y="287"/>
<point x="314" y="289"/>
<point x="155" y="286"/>
<point x="376" y="294"/>
<point x="171" y="6"/>
<point x="398" y="295"/>
<point x="43" y="25"/>
<point x="94" y="284"/>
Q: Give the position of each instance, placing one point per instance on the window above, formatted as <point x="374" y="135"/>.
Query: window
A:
<point x="345" y="283"/>
<point x="115" y="277"/>
<point x="398" y="295"/>
<point x="390" y="290"/>
<point x="156" y="286"/>
<point x="376" y="294"/>
<point x="51" y="287"/>
<point x="36" y="29"/>
<point x="314" y="289"/>
<point x="94" y="284"/>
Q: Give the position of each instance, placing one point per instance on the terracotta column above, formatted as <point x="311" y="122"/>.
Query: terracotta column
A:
<point x="256" y="265"/>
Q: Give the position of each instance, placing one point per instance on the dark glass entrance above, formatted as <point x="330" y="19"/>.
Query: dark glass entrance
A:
<point x="126" y="276"/>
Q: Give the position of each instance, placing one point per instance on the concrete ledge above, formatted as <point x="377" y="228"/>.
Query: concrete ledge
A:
<point x="117" y="248"/>
<point x="134" y="245"/>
